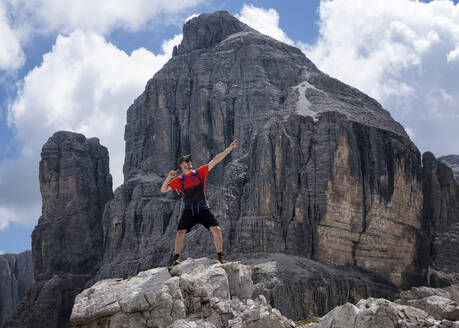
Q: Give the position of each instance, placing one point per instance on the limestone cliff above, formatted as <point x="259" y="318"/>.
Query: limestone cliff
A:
<point x="16" y="277"/>
<point x="321" y="170"/>
<point x="67" y="243"/>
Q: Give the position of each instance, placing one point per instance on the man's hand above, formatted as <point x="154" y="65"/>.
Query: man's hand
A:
<point x="173" y="174"/>
<point x="233" y="145"/>
<point x="165" y="187"/>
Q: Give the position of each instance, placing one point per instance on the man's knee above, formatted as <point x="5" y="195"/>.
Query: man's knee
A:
<point x="214" y="229"/>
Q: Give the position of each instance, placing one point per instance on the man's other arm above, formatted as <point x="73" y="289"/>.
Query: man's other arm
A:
<point x="219" y="157"/>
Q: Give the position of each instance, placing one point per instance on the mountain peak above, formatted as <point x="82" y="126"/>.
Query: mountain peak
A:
<point x="207" y="30"/>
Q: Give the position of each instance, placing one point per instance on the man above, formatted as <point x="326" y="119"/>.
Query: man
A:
<point x="191" y="185"/>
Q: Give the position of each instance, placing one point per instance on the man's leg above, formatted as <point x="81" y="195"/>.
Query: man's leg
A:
<point x="179" y="240"/>
<point x="218" y="240"/>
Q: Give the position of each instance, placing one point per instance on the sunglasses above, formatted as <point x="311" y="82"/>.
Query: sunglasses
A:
<point x="187" y="160"/>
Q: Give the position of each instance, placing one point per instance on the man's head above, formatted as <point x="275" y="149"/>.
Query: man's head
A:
<point x="184" y="161"/>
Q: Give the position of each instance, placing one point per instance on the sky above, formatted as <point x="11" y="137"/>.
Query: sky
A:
<point x="78" y="66"/>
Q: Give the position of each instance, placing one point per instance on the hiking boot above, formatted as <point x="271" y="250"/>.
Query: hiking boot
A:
<point x="221" y="258"/>
<point x="176" y="259"/>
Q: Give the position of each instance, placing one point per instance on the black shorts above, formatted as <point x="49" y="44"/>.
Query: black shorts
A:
<point x="205" y="217"/>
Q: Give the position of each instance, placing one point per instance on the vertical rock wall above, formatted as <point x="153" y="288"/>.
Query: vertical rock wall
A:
<point x="67" y="243"/>
<point x="16" y="278"/>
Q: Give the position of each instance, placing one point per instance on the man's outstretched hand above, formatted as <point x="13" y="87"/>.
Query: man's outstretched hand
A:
<point x="233" y="145"/>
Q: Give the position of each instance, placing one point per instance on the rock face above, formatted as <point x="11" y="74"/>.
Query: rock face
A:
<point x="16" y="277"/>
<point x="321" y="170"/>
<point x="301" y="288"/>
<point x="453" y="162"/>
<point x="441" y="210"/>
<point x="195" y="293"/>
<point x="67" y="243"/>
<point x="419" y="307"/>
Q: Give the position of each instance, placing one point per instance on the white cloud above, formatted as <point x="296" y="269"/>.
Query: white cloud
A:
<point x="265" y="21"/>
<point x="403" y="53"/>
<point x="64" y="16"/>
<point x="85" y="84"/>
<point x="1" y="252"/>
<point x="11" y="54"/>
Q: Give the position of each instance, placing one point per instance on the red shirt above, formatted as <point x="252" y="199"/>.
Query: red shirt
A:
<point x="194" y="190"/>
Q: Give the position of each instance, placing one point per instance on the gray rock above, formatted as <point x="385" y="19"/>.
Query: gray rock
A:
<point x="439" y="303"/>
<point x="196" y="293"/>
<point x="418" y="307"/>
<point x="67" y="243"/>
<point x="372" y="313"/>
<point x="16" y="278"/>
<point x="302" y="288"/>
<point x="453" y="162"/>
<point x="441" y="212"/>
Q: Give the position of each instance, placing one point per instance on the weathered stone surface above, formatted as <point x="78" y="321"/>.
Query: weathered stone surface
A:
<point x="439" y="279"/>
<point x="67" y="244"/>
<point x="196" y="293"/>
<point x="441" y="194"/>
<point x="418" y="307"/>
<point x="48" y="303"/>
<point x="16" y="278"/>
<point x="372" y="313"/>
<point x="445" y="251"/>
<point x="439" y="303"/>
<point x="302" y="288"/>
<point x="441" y="212"/>
<point x="453" y="162"/>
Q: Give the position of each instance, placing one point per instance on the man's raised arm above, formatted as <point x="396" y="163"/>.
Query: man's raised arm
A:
<point x="165" y="187"/>
<point x="219" y="157"/>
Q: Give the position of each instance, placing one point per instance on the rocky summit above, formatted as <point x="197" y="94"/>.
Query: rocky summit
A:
<point x="325" y="197"/>
<point x="196" y="293"/>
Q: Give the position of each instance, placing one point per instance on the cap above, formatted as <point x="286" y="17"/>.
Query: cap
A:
<point x="182" y="158"/>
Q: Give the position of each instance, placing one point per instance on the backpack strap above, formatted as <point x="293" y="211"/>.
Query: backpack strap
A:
<point x="197" y="174"/>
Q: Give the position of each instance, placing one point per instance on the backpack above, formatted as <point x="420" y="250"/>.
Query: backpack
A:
<point x="182" y="194"/>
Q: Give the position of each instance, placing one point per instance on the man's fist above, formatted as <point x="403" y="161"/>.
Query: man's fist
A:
<point x="173" y="174"/>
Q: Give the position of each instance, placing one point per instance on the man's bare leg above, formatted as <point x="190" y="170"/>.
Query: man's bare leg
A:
<point x="218" y="240"/>
<point x="179" y="241"/>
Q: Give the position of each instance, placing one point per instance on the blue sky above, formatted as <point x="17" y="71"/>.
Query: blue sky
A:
<point x="63" y="70"/>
